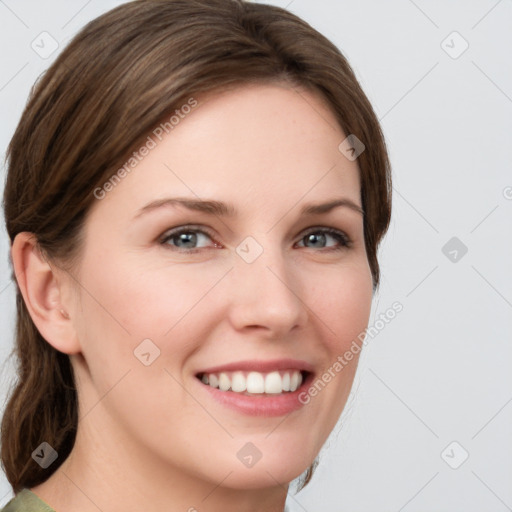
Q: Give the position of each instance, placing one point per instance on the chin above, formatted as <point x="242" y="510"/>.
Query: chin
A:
<point x="260" y="463"/>
<point x="265" y="475"/>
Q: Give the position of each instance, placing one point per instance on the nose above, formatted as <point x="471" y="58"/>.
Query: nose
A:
<point x="267" y="296"/>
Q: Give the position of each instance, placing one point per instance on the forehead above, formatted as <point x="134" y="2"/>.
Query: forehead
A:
<point x="257" y="145"/>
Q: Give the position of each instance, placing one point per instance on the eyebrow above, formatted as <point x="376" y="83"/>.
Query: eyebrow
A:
<point x="218" y="208"/>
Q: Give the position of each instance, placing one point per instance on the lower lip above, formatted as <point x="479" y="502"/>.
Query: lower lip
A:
<point x="263" y="405"/>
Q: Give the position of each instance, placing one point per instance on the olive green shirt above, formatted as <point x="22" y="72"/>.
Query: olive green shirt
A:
<point x="27" y="501"/>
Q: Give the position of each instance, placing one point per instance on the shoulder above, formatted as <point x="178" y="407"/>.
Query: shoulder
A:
<point x="26" y="501"/>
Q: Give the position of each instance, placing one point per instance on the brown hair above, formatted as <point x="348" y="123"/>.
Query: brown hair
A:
<point x="98" y="101"/>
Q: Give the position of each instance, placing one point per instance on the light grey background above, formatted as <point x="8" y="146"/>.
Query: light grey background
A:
<point x="441" y="370"/>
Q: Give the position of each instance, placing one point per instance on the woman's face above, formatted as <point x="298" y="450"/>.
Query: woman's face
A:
<point x="263" y="289"/>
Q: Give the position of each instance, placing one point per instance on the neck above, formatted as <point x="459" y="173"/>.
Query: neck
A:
<point x="106" y="472"/>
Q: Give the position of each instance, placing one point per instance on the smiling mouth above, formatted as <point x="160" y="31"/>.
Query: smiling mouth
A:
<point x="251" y="383"/>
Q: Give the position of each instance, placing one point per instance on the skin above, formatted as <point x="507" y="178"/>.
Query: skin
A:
<point x="144" y="441"/>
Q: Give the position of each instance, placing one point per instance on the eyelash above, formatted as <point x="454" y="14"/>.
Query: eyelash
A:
<point x="340" y="236"/>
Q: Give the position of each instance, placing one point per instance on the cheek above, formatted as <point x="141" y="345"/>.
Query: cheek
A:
<point x="128" y="302"/>
<point x="342" y="300"/>
<point x="147" y="300"/>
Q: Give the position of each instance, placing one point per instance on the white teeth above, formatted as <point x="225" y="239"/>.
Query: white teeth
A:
<point x="224" y="382"/>
<point x="238" y="382"/>
<point x="286" y="382"/>
<point x="294" y="381"/>
<point x="213" y="380"/>
<point x="299" y="380"/>
<point x="275" y="382"/>
<point x="255" y="383"/>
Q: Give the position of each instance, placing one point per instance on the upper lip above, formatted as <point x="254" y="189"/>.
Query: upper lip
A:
<point x="260" y="366"/>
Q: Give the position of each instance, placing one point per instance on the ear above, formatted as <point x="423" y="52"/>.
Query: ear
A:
<point x="45" y="290"/>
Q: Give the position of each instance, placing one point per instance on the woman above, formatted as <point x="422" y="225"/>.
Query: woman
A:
<point x="196" y="192"/>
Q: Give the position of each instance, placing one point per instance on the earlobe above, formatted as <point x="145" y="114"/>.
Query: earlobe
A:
<point x="42" y="288"/>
